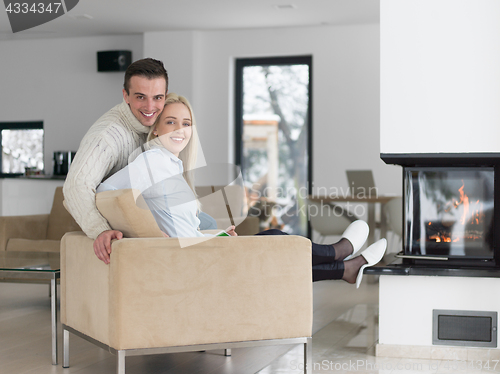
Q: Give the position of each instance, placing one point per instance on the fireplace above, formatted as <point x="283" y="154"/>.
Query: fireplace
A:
<point x="449" y="211"/>
<point x="451" y="208"/>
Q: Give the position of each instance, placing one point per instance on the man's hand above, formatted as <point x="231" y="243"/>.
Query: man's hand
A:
<point x="102" y="245"/>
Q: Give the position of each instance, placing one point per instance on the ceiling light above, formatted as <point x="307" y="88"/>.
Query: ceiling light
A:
<point x="81" y="16"/>
<point x="285" y="6"/>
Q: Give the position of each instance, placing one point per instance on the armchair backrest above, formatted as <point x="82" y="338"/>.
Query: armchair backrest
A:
<point x="60" y="221"/>
<point x="126" y="211"/>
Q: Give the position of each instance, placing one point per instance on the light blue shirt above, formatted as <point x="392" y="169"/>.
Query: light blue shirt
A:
<point x="157" y="173"/>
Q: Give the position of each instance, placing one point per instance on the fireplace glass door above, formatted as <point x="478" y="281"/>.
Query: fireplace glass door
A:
<point x="449" y="212"/>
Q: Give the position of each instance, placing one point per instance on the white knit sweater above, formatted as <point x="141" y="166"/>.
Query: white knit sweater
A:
<point x="104" y="150"/>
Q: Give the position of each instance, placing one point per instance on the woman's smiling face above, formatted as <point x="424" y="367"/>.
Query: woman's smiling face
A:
<point x="174" y="127"/>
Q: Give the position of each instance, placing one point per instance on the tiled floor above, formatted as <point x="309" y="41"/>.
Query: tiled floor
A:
<point x="345" y="333"/>
<point x="347" y="345"/>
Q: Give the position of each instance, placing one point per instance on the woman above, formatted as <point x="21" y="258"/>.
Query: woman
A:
<point x="162" y="175"/>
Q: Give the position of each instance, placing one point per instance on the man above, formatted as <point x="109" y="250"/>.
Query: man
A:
<point x="106" y="147"/>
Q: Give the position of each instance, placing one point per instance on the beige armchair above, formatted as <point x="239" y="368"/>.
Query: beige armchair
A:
<point x="158" y="297"/>
<point x="37" y="234"/>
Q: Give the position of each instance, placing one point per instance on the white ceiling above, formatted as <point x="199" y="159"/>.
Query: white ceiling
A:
<point x="112" y="17"/>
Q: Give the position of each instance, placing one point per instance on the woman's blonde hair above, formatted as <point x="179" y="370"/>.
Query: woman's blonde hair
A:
<point x="187" y="155"/>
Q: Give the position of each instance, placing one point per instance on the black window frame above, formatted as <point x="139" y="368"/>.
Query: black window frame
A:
<point x="20" y="125"/>
<point x="240" y="64"/>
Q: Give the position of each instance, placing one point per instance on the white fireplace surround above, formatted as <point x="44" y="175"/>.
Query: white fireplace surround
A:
<point x="440" y="81"/>
<point x="439" y="93"/>
<point x="405" y="323"/>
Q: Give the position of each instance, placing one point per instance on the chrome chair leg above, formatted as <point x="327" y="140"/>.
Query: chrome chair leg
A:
<point x="308" y="361"/>
<point x="53" y="312"/>
<point x="120" y="362"/>
<point x="65" y="348"/>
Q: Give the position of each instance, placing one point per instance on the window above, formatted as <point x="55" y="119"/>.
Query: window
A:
<point x="22" y="147"/>
<point x="273" y="138"/>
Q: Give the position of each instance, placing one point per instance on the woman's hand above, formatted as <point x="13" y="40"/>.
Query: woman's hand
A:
<point x="165" y="235"/>
<point x="230" y="231"/>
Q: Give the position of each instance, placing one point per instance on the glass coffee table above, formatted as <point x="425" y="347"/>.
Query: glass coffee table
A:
<point x="34" y="267"/>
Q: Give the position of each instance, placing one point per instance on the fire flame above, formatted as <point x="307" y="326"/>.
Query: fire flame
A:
<point x="472" y="214"/>
<point x="464" y="199"/>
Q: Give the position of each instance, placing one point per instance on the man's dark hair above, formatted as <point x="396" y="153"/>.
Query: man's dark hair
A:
<point x="148" y="68"/>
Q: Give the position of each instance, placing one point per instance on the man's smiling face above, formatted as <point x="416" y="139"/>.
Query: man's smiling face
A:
<point x="146" y="98"/>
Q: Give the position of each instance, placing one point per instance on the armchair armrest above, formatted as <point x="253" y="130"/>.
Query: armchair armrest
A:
<point x="23" y="227"/>
<point x="84" y="287"/>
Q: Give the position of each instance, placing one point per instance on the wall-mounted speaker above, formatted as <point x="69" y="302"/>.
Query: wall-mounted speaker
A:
<point x="113" y="60"/>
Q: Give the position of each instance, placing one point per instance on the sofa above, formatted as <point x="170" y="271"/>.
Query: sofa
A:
<point x="38" y="236"/>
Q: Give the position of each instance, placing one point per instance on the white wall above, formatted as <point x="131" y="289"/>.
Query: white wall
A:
<point x="440" y="76"/>
<point x="178" y="50"/>
<point x="56" y="80"/>
<point x="25" y="196"/>
<point x="345" y="91"/>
